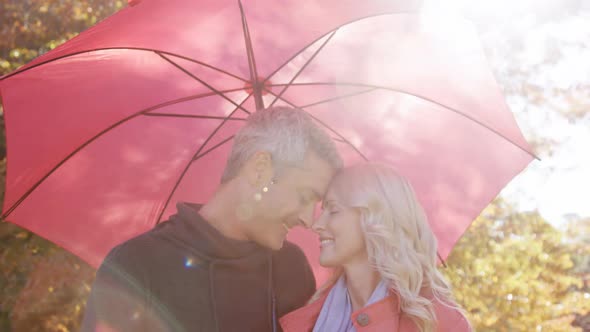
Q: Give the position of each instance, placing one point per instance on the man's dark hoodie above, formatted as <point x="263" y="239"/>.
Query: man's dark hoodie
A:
<point x="184" y="275"/>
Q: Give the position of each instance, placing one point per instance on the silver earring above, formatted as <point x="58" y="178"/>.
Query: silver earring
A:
<point x="265" y="189"/>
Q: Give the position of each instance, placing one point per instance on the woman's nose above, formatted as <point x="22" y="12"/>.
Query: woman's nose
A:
<point x="318" y="225"/>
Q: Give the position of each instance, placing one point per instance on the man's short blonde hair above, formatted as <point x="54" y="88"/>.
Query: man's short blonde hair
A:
<point x="286" y="133"/>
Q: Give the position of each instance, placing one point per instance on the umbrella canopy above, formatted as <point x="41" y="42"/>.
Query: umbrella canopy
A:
<point x="106" y="132"/>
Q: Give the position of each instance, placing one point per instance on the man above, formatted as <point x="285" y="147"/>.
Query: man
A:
<point x="225" y="266"/>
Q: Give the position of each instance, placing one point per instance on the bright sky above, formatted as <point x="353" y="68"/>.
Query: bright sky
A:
<point x="559" y="184"/>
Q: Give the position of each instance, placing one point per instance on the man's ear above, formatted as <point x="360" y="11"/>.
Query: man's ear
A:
<point x="259" y="169"/>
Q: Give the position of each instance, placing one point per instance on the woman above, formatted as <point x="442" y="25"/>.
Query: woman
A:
<point x="375" y="235"/>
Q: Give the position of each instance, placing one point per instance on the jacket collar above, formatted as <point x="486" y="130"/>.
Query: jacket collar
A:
<point x="305" y="317"/>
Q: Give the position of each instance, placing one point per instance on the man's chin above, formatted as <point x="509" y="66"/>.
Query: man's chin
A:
<point x="279" y="246"/>
<point x="327" y="263"/>
<point x="276" y="244"/>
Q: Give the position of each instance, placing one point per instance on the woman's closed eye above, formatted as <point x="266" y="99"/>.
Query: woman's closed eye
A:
<point x="333" y="211"/>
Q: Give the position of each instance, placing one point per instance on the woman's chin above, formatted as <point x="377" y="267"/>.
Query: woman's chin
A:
<point x="328" y="262"/>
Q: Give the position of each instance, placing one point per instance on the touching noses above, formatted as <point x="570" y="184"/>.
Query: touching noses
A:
<point x="319" y="224"/>
<point x="306" y="216"/>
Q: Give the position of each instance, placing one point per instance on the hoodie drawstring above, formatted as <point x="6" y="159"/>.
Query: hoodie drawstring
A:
<point x="273" y="307"/>
<point x="212" y="288"/>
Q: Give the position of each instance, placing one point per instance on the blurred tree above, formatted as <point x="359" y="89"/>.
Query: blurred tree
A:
<point x="578" y="235"/>
<point x="42" y="287"/>
<point x="536" y="50"/>
<point x="54" y="295"/>
<point x="528" y="275"/>
<point x="29" y="28"/>
<point x="514" y="272"/>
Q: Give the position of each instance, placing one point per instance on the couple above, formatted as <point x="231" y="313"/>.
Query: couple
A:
<point x="225" y="265"/>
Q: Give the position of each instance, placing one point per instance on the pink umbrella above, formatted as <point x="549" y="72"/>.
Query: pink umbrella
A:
<point x="106" y="132"/>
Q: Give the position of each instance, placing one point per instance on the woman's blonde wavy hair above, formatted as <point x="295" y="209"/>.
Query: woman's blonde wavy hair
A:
<point x="400" y="243"/>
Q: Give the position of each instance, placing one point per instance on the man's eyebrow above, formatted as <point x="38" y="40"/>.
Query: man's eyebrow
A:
<point x="308" y="190"/>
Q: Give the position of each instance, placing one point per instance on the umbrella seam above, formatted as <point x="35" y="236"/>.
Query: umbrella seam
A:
<point x="302" y="68"/>
<point x="251" y="60"/>
<point x="417" y="96"/>
<point x="18" y="71"/>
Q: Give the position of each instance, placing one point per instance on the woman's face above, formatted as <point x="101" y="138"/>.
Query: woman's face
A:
<point x="341" y="237"/>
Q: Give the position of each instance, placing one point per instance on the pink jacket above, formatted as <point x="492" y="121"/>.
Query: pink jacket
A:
<point x="384" y="315"/>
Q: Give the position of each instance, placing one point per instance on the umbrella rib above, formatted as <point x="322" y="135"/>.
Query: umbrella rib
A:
<point x="323" y="124"/>
<point x="225" y="140"/>
<point x="333" y="30"/>
<point x="197" y="155"/>
<point x="178" y="115"/>
<point x="18" y="71"/>
<point x="441" y="259"/>
<point x="302" y="68"/>
<point x="251" y="61"/>
<point x="419" y="97"/>
<point x="339" y="97"/>
<point x="218" y="92"/>
<point x="92" y="139"/>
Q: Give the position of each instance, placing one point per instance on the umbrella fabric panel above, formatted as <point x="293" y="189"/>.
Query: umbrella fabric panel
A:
<point x="54" y="109"/>
<point x="116" y="187"/>
<point x="439" y="60"/>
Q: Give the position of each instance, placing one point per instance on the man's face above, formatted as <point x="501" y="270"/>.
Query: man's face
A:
<point x="290" y="201"/>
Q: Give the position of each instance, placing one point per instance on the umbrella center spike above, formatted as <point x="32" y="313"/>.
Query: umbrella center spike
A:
<point x="263" y="86"/>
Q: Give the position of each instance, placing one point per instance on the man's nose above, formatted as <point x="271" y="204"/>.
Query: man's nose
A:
<point x="306" y="216"/>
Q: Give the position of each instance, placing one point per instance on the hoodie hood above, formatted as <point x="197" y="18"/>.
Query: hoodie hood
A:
<point x="198" y="235"/>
